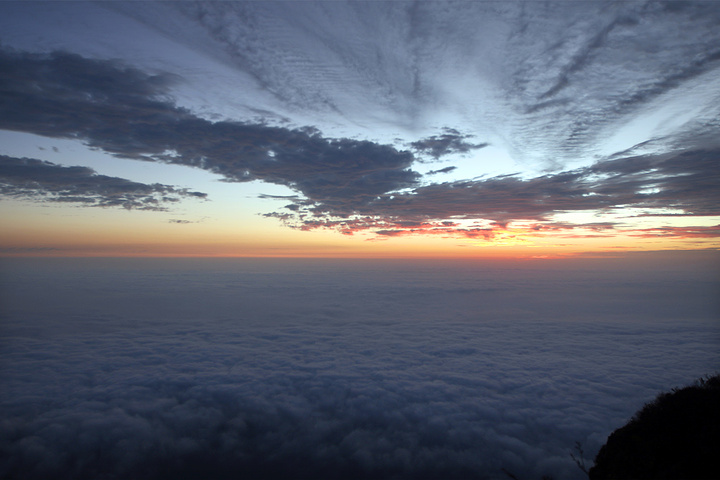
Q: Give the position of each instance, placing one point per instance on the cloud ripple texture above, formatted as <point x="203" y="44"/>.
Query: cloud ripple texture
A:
<point x="264" y="369"/>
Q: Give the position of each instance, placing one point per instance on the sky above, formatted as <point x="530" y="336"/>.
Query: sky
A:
<point x="359" y="129"/>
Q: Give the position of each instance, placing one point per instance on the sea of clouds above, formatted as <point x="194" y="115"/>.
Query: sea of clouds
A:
<point x="216" y="368"/>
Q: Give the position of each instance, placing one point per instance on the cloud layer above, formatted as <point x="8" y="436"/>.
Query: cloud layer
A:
<point x="277" y="369"/>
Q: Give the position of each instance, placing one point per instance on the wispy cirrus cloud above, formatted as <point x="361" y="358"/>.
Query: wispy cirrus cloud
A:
<point x="551" y="81"/>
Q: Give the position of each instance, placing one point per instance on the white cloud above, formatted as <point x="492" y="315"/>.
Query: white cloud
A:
<point x="208" y="368"/>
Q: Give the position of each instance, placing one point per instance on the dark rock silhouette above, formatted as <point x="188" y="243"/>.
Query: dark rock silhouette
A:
<point x="677" y="436"/>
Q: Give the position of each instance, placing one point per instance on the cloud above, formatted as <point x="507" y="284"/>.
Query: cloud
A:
<point x="449" y="142"/>
<point x="685" y="232"/>
<point x="442" y="170"/>
<point x="341" y="183"/>
<point x="547" y="80"/>
<point x="278" y="197"/>
<point x="127" y="113"/>
<point x="424" y="370"/>
<point x="685" y="182"/>
<point x="38" y="180"/>
<point x="67" y="96"/>
<point x="609" y="59"/>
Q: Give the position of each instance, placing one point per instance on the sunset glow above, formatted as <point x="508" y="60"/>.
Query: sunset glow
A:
<point x="322" y="129"/>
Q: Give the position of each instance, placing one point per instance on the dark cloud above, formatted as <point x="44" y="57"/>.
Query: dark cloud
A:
<point x="29" y="178"/>
<point x="687" y="181"/>
<point x="686" y="232"/>
<point x="67" y="96"/>
<point x="322" y="369"/>
<point x="442" y="170"/>
<point x="449" y="142"/>
<point x="278" y="197"/>
<point x="125" y="112"/>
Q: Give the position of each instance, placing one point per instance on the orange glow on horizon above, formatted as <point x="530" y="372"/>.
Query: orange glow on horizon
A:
<point x="37" y="231"/>
<point x="366" y="250"/>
